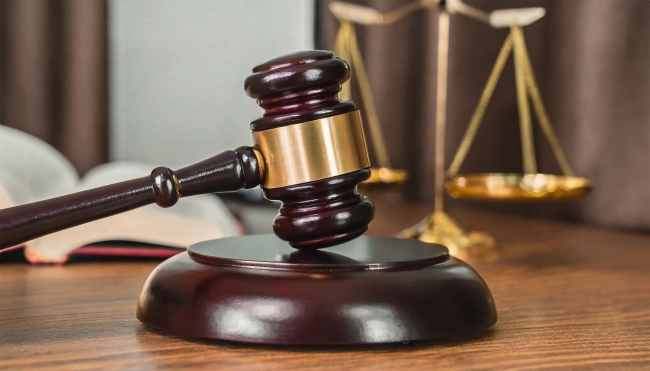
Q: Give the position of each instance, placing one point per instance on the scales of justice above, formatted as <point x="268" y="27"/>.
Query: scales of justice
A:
<point x="438" y="227"/>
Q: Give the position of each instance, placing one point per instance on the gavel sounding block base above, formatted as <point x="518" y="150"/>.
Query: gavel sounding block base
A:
<point x="258" y="289"/>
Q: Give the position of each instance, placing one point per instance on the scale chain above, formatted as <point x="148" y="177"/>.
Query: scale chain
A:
<point x="530" y="87"/>
<point x="347" y="44"/>
<point x="479" y="112"/>
<point x="525" y="123"/>
<point x="542" y="116"/>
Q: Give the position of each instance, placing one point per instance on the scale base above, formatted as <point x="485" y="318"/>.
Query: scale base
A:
<point x="438" y="227"/>
<point x="258" y="289"/>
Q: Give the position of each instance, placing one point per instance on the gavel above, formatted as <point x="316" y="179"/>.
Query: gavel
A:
<point x="308" y="152"/>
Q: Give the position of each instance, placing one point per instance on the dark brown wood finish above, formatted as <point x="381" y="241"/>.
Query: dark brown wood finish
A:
<point x="226" y="172"/>
<point x="322" y="213"/>
<point x="258" y="289"/>
<point x="292" y="89"/>
<point x="569" y="297"/>
<point x="297" y="88"/>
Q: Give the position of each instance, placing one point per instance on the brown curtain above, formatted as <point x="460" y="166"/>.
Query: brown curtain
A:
<point x="53" y="80"/>
<point x="592" y="60"/>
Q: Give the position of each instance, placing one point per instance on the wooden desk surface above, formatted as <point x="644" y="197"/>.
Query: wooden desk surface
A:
<point x="567" y="297"/>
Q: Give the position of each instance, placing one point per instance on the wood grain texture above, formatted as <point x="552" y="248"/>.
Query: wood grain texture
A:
<point x="568" y="296"/>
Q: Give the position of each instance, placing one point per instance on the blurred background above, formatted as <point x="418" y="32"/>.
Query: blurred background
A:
<point x="161" y="82"/>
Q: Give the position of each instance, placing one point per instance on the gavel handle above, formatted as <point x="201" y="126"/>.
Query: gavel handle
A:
<point x="225" y="172"/>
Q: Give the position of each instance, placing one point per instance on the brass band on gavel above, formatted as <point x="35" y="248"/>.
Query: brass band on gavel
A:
<point x="312" y="150"/>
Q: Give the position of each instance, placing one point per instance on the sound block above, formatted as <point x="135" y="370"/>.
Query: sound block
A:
<point x="258" y="289"/>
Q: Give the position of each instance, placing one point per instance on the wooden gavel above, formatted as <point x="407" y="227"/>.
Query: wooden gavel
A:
<point x="309" y="153"/>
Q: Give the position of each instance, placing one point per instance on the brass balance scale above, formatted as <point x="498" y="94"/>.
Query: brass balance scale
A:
<point x="438" y="227"/>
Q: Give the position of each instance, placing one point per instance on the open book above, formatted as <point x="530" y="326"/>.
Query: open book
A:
<point x="31" y="170"/>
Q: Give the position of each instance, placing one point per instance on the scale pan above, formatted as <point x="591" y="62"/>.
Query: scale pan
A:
<point x="516" y="187"/>
<point x="385" y="176"/>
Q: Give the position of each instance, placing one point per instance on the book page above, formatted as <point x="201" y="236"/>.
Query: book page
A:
<point x="208" y="208"/>
<point x="191" y="220"/>
<point x="32" y="170"/>
<point x="6" y="200"/>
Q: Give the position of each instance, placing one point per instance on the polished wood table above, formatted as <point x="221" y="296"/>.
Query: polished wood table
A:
<point x="568" y="296"/>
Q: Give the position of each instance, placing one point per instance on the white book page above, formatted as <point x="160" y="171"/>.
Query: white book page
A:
<point x="191" y="220"/>
<point x="32" y="170"/>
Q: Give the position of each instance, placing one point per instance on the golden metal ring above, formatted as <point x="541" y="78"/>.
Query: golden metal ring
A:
<point x="312" y="150"/>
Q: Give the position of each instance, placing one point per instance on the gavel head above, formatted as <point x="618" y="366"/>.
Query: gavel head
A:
<point x="313" y="149"/>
